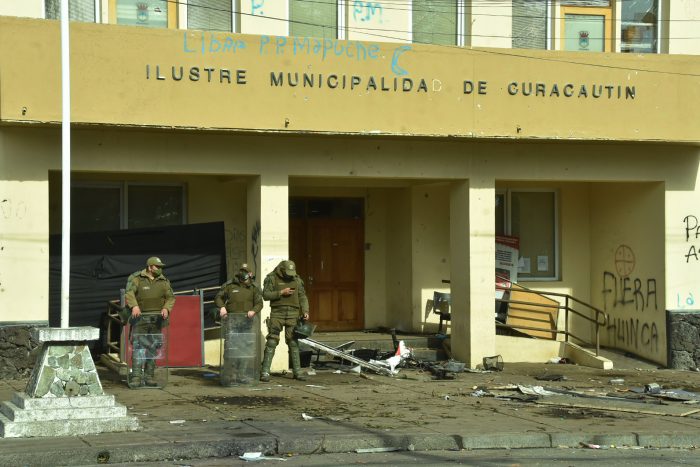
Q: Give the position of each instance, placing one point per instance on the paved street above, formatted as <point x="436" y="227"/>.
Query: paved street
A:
<point x="195" y="418"/>
<point x="557" y="457"/>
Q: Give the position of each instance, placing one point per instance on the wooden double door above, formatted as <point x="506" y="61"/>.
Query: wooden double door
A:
<point x="329" y="253"/>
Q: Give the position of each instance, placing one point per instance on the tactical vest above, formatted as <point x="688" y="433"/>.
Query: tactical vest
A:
<point x="292" y="300"/>
<point x="240" y="298"/>
<point x="150" y="295"/>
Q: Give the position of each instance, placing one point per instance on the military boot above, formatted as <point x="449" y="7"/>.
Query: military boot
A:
<point x="296" y="363"/>
<point x="135" y="377"/>
<point x="266" y="363"/>
<point x="150" y="379"/>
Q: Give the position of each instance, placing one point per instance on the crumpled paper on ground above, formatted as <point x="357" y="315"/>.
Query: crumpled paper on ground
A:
<point x="258" y="456"/>
<point x="536" y="391"/>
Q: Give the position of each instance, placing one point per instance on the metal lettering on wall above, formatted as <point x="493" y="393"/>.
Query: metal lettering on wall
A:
<point x="397" y="79"/>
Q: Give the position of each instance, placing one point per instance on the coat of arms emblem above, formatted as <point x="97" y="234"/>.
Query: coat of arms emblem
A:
<point x="583" y="39"/>
<point x="142" y="12"/>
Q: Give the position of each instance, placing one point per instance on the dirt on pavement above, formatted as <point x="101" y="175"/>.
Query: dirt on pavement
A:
<point x="415" y="398"/>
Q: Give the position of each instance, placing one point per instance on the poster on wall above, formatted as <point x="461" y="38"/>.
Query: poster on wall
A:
<point x="507" y="252"/>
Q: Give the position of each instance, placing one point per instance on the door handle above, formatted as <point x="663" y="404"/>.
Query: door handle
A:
<point x="311" y="280"/>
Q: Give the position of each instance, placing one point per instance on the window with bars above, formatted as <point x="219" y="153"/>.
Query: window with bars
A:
<point x="313" y="19"/>
<point x="78" y="10"/>
<point x="434" y="22"/>
<point x="210" y="15"/>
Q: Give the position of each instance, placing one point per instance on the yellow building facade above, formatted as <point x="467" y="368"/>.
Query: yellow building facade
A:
<point x="593" y="160"/>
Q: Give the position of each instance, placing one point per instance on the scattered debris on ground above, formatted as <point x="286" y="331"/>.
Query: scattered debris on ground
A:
<point x="571" y="390"/>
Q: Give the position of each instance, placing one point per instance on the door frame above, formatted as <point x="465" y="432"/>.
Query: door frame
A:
<point x="300" y="245"/>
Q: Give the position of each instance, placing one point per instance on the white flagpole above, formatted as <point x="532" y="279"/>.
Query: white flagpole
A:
<point x="65" y="164"/>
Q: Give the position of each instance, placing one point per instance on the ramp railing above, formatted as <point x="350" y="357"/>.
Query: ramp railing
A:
<point x="523" y="299"/>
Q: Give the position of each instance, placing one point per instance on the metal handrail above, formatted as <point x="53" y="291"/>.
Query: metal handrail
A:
<point x="599" y="313"/>
<point x="113" y="309"/>
<point x="599" y="321"/>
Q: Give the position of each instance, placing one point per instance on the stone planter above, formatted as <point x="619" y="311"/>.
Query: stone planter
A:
<point x="683" y="328"/>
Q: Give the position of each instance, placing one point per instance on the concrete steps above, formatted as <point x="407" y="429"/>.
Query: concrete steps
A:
<point x="624" y="360"/>
<point x="28" y="429"/>
<point x="25" y="416"/>
<point x="17" y="414"/>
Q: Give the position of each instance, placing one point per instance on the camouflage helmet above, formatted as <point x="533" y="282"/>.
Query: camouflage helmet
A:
<point x="304" y="329"/>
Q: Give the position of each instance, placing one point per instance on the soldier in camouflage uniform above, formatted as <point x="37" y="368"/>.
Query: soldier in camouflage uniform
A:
<point x="284" y="289"/>
<point x="150" y="298"/>
<point x="239" y="297"/>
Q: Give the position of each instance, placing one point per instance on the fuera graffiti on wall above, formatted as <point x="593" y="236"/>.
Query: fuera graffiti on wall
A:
<point x="630" y="304"/>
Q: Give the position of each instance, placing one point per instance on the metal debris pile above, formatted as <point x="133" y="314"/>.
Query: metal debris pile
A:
<point x="651" y="399"/>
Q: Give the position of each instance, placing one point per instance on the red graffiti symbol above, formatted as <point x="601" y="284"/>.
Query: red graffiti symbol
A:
<point x="624" y="260"/>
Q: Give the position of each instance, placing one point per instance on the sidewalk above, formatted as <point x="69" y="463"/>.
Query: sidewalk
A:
<point x="194" y="417"/>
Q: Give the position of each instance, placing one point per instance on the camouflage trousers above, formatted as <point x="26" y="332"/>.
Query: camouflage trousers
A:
<point x="281" y="317"/>
<point x="146" y="337"/>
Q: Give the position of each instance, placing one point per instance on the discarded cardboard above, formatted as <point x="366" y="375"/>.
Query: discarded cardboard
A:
<point x="539" y="312"/>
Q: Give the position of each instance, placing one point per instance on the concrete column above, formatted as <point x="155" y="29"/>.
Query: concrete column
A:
<point x="472" y="252"/>
<point x="400" y="259"/>
<point x="268" y="200"/>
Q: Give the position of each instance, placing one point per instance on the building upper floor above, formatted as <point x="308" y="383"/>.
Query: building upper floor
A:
<point x="144" y="77"/>
<point x="623" y="26"/>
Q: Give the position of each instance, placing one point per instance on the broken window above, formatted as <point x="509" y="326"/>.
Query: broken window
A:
<point x="640" y="31"/>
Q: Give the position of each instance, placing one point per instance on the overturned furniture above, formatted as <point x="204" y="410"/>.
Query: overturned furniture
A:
<point x="441" y="307"/>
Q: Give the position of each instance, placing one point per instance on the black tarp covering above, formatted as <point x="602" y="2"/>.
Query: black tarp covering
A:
<point x="101" y="262"/>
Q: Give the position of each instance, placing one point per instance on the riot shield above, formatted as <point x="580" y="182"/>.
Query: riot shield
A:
<point x="240" y="356"/>
<point x="147" y="352"/>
